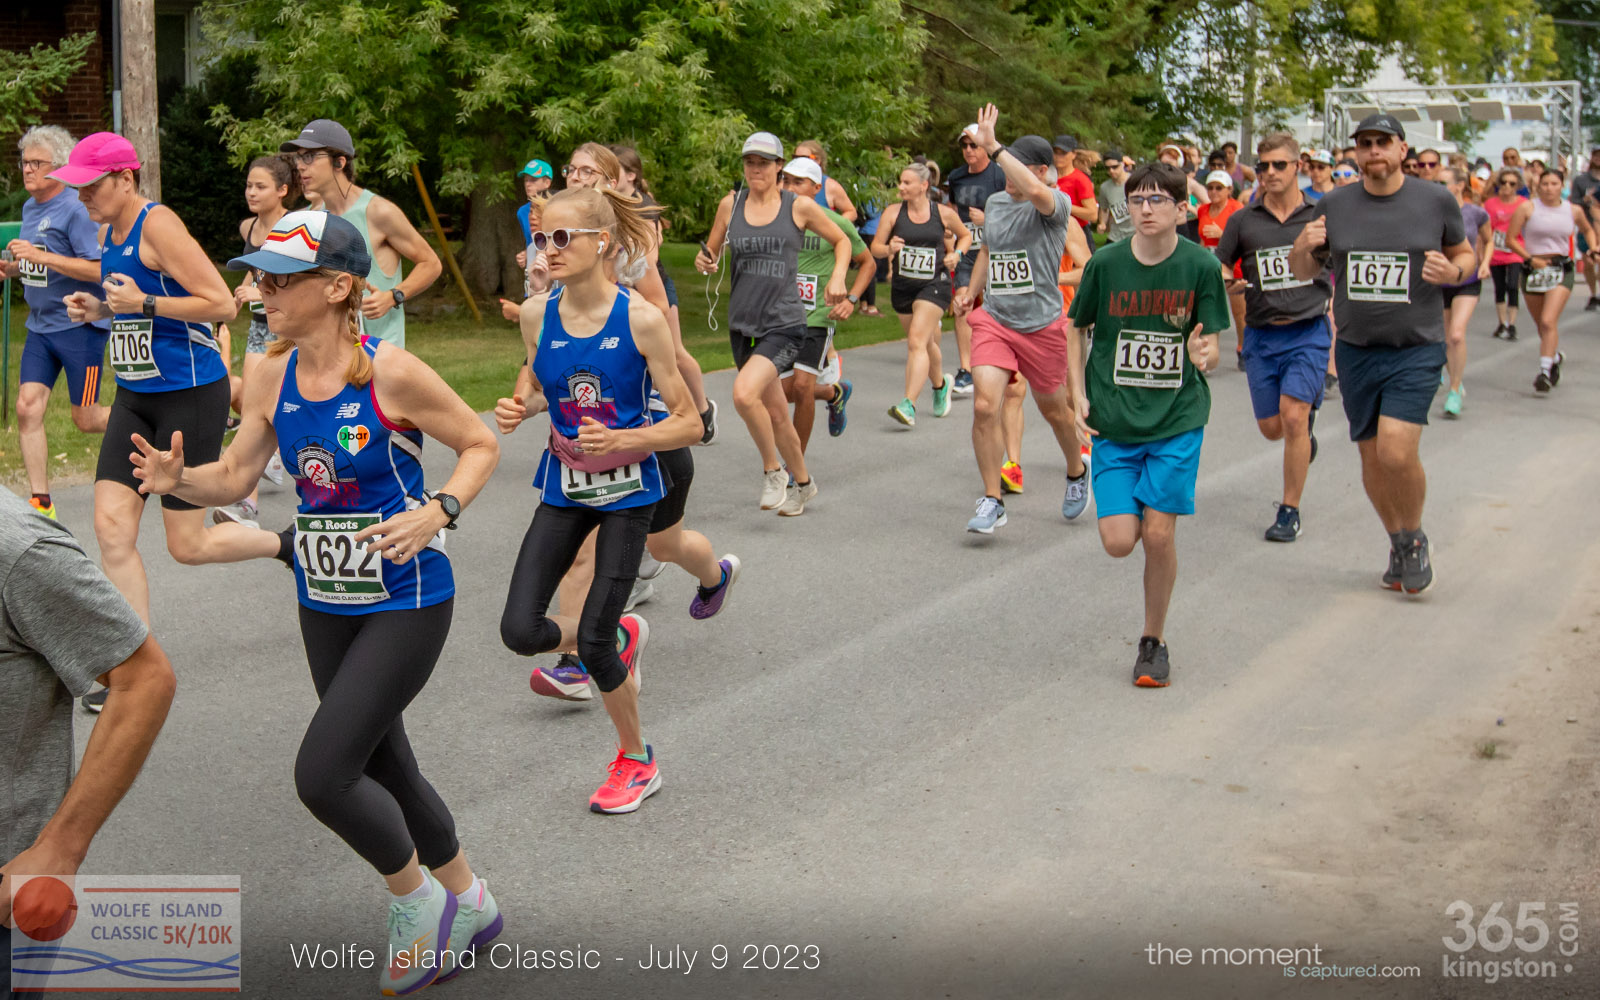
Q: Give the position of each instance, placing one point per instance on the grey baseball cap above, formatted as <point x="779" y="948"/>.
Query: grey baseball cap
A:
<point x="324" y="133"/>
<point x="1033" y="151"/>
<point x="763" y="144"/>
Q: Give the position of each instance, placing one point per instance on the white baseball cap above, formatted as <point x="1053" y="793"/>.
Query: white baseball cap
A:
<point x="763" y="144"/>
<point x="1219" y="177"/>
<point x="806" y="168"/>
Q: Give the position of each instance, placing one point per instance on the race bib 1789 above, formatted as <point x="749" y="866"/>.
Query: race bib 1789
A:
<point x="1010" y="273"/>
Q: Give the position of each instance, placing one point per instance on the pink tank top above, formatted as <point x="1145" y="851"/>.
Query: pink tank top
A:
<point x="1500" y="214"/>
<point x="1549" y="230"/>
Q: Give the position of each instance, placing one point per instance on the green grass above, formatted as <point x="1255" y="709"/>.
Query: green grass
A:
<point x="480" y="362"/>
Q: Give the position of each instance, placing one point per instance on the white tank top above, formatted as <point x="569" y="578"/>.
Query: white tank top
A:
<point x="1549" y="229"/>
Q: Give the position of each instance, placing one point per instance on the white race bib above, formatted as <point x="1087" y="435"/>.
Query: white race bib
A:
<point x="1119" y="212"/>
<point x="1147" y="360"/>
<point x="1010" y="273"/>
<point x="1378" y="277"/>
<point x="34" y="275"/>
<point x="808" y="289"/>
<point x="259" y="308"/>
<point x="131" y="355"/>
<point x="597" y="489"/>
<point x="918" y="263"/>
<point x="977" y="237"/>
<point x="338" y="569"/>
<point x="1272" y="270"/>
<point x="1500" y="240"/>
<point x="1541" y="280"/>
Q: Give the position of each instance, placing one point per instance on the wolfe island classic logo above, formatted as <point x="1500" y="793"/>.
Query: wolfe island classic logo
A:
<point x="589" y="394"/>
<point x="326" y="470"/>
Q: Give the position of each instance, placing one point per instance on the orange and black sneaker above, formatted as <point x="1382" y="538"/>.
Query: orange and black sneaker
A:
<point x="1011" y="478"/>
<point x="1150" y="670"/>
<point x="47" y="509"/>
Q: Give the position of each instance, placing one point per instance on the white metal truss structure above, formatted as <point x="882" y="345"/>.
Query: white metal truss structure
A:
<point x="1557" y="103"/>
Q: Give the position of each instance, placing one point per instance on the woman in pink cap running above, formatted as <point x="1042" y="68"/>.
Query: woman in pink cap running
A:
<point x="162" y="295"/>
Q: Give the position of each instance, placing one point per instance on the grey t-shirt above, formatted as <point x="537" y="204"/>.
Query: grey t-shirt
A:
<point x="1255" y="240"/>
<point x="1025" y="248"/>
<point x="1583" y="183"/>
<point x="1114" y="199"/>
<point x="1378" y="246"/>
<point x="62" y="624"/>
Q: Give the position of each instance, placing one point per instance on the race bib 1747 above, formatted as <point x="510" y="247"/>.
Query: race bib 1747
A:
<point x="1378" y="277"/>
<point x="597" y="489"/>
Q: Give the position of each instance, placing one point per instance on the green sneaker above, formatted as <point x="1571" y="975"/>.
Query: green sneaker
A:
<point x="419" y="934"/>
<point x="941" y="396"/>
<point x="1452" y="402"/>
<point x="905" y="412"/>
<point x="476" y="924"/>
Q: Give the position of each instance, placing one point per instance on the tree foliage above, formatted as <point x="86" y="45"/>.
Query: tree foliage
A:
<point x="27" y="77"/>
<point x="1577" y="45"/>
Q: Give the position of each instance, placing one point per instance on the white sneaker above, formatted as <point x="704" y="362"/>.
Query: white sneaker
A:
<point x="244" y="512"/>
<point x="650" y="567"/>
<point x="773" y="486"/>
<point x="643" y="590"/>
<point x="274" y="470"/>
<point x="794" y="503"/>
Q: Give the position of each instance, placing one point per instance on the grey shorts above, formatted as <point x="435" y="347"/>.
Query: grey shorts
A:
<point x="258" y="336"/>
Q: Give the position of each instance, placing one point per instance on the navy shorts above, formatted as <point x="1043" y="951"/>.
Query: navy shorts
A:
<point x="1159" y="475"/>
<point x="79" y="351"/>
<point x="1395" y="382"/>
<point x="964" y="268"/>
<point x="666" y="282"/>
<point x="1289" y="360"/>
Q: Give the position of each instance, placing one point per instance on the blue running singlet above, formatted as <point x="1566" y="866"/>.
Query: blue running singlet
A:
<point x="352" y="468"/>
<point x="160" y="354"/>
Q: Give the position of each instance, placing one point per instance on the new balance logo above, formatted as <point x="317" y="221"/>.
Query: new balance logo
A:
<point x="127" y="251"/>
<point x="557" y="343"/>
<point x="609" y="342"/>
<point x="290" y="407"/>
<point x="347" y="410"/>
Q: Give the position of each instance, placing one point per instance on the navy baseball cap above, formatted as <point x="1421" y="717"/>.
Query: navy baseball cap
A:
<point x="1033" y="151"/>
<point x="306" y="240"/>
<point x="324" y="133"/>
<point x="1381" y="122"/>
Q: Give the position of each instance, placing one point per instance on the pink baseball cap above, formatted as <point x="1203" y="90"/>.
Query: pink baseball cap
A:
<point x="94" y="157"/>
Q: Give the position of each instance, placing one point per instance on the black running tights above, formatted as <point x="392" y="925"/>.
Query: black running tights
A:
<point x="1506" y="279"/>
<point x="356" y="772"/>
<point x="548" y="550"/>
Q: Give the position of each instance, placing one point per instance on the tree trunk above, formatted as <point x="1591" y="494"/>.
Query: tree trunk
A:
<point x="488" y="256"/>
<point x="138" y="85"/>
<point x="1247" y="118"/>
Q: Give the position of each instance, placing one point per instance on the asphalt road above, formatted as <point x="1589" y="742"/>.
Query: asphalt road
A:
<point x="914" y="748"/>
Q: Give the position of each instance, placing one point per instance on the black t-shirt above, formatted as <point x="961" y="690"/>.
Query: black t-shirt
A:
<point x="969" y="191"/>
<point x="1255" y="240"/>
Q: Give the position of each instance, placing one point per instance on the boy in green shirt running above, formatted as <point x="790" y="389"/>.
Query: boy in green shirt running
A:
<point x="1156" y="304"/>
<point x="803" y="176"/>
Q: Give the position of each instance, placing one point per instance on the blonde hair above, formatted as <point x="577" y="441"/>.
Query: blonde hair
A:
<point x="359" y="371"/>
<point x="605" y="159"/>
<point x="813" y="149"/>
<point x="631" y="231"/>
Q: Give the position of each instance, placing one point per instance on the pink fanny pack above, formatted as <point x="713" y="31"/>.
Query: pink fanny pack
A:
<point x="566" y="449"/>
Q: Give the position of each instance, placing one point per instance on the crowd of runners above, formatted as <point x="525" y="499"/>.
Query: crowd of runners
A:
<point x="1365" y="262"/>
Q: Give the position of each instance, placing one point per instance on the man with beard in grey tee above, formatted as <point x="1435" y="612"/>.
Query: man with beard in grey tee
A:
<point x="1394" y="242"/>
<point x="62" y="626"/>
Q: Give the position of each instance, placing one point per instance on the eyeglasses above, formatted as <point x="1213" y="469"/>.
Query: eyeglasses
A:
<point x="558" y="238"/>
<point x="578" y="173"/>
<point x="1150" y="200"/>
<point x="1265" y="165"/>
<point x="1508" y="183"/>
<point x="27" y="165"/>
<point x="267" y="279"/>
<point x="1344" y="175"/>
<point x="309" y="157"/>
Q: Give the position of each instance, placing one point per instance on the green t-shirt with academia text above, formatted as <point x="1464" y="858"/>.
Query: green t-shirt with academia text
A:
<point x="1141" y="384"/>
<point x="816" y="268"/>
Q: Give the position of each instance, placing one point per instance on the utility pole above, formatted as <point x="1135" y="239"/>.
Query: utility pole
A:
<point x="1247" y="117"/>
<point x="138" y="84"/>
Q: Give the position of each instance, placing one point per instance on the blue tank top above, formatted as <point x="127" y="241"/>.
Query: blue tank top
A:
<point x="353" y="468"/>
<point x="603" y="377"/>
<point x="160" y="354"/>
<point x="821" y="197"/>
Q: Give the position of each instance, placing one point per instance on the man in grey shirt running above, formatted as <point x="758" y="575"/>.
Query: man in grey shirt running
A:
<point x="62" y="626"/>
<point x="1020" y="329"/>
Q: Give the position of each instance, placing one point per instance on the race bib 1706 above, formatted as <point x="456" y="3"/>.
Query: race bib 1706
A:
<point x="132" y="355"/>
<point x="1010" y="273"/>
<point x="1378" y="277"/>
<point x="1148" y="360"/>
<point x="337" y="568"/>
<point x="1272" y="270"/>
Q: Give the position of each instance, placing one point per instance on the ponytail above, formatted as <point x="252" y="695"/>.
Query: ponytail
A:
<point x="630" y="229"/>
<point x="282" y="168"/>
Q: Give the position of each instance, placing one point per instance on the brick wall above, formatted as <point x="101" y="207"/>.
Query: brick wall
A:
<point x="84" y="105"/>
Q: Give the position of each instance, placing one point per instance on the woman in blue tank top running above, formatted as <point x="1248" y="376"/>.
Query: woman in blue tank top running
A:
<point x="162" y="295"/>
<point x="347" y="415"/>
<point x="595" y="349"/>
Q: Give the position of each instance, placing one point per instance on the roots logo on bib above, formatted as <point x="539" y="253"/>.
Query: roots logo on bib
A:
<point x="588" y="395"/>
<point x="354" y="437"/>
<point x="324" y="474"/>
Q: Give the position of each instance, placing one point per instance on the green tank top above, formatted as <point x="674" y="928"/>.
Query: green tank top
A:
<point x="392" y="325"/>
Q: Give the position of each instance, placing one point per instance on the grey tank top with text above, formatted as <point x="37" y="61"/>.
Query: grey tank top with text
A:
<point x="766" y="258"/>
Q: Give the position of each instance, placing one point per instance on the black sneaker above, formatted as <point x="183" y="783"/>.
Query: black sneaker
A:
<point x="1287" y="527"/>
<point x="1555" y="369"/>
<point x="1511" y="332"/>
<point x="285" y="553"/>
<point x="1416" y="571"/>
<point x="1150" y="669"/>
<point x="963" y="386"/>
<point x="1392" y="575"/>
<point x="708" y="421"/>
<point x="1499" y="331"/>
<point x="1592" y="304"/>
<point x="1542" y="381"/>
<point x="94" y="701"/>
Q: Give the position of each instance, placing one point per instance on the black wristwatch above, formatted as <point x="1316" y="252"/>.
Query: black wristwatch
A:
<point x="399" y="297"/>
<point x="999" y="148"/>
<point x="150" y="306"/>
<point x="452" y="507"/>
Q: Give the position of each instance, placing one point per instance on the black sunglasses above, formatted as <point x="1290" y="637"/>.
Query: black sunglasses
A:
<point x="1265" y="165"/>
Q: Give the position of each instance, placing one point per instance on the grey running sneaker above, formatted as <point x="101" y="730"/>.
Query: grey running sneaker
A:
<point x="1391" y="576"/>
<point x="708" y="420"/>
<point x="1416" y="568"/>
<point x="1151" y="669"/>
<point x="244" y="512"/>
<point x="794" y="503"/>
<point x="274" y="470"/>
<point x="642" y="591"/>
<point x="650" y="567"/>
<point x="773" y="486"/>
<point x="1287" y="527"/>
<point x="1077" y="497"/>
<point x="991" y="515"/>
<point x="1555" y="369"/>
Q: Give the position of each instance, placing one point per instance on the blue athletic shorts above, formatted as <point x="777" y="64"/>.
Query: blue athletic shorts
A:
<point x="80" y="350"/>
<point x="1397" y="382"/>
<point x="1289" y="360"/>
<point x="1160" y="475"/>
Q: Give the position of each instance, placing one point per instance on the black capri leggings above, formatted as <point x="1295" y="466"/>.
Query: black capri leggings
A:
<point x="1507" y="277"/>
<point x="355" y="771"/>
<point x="548" y="550"/>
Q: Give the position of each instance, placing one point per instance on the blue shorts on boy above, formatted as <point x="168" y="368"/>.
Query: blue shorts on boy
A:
<point x="1159" y="474"/>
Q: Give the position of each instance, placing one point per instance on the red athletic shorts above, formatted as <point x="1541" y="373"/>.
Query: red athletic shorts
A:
<point x="1040" y="356"/>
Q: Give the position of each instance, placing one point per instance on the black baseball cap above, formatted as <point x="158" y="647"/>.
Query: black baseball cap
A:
<point x="1033" y="151"/>
<point x="1066" y="143"/>
<point x="1380" y="122"/>
<point x="309" y="239"/>
<point x="324" y="133"/>
<point x="1113" y="154"/>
